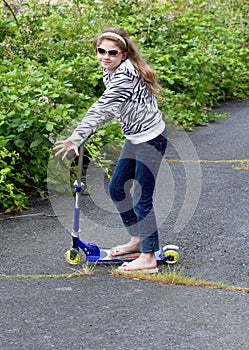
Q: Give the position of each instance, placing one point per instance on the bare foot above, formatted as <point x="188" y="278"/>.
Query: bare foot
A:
<point x="146" y="262"/>
<point x="133" y="246"/>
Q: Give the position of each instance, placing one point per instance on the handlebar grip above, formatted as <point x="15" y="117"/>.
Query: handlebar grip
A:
<point x="70" y="154"/>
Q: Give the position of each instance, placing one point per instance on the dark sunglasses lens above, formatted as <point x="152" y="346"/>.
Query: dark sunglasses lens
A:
<point x="113" y="52"/>
<point x="101" y="51"/>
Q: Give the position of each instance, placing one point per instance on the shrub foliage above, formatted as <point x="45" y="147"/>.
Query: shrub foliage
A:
<point x="49" y="76"/>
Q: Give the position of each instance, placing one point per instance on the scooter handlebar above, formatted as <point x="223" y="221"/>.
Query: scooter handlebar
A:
<point x="71" y="153"/>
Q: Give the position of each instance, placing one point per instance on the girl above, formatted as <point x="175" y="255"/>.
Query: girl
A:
<point x="129" y="96"/>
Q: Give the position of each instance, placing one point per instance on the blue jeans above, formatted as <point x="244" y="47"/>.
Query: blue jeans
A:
<point x="132" y="186"/>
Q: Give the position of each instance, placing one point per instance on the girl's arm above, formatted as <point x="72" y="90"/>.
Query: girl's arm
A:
<point x="106" y="108"/>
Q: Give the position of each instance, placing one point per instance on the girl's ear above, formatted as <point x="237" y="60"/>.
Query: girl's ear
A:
<point x="124" y="56"/>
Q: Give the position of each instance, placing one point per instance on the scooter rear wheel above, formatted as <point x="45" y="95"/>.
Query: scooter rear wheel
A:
<point x="171" y="253"/>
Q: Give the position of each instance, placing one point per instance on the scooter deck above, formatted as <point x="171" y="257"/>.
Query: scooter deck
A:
<point x="105" y="256"/>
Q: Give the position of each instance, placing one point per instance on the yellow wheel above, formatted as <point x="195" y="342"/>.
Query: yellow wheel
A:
<point x="171" y="254"/>
<point x="72" y="257"/>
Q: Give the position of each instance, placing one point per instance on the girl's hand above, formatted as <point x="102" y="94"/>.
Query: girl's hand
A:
<point x="65" y="146"/>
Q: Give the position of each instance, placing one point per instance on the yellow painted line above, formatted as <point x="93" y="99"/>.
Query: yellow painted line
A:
<point x="205" y="161"/>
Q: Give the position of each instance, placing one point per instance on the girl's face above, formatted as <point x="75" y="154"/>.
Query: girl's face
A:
<point x="109" y="55"/>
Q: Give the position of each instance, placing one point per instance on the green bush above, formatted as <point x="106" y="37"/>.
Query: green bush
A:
<point x="49" y="75"/>
<point x="11" y="197"/>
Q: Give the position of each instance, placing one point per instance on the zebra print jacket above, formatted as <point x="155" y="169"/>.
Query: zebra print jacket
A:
<point x="126" y="98"/>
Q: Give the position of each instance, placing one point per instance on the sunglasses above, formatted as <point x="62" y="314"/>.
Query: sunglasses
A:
<point x="102" y="51"/>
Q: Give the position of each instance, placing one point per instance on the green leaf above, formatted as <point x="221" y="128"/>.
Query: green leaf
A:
<point x="35" y="144"/>
<point x="49" y="126"/>
<point x="19" y="143"/>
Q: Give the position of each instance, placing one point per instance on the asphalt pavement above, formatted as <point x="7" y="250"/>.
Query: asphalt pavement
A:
<point x="202" y="206"/>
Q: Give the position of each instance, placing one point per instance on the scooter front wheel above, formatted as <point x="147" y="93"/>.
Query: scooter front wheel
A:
<point x="72" y="257"/>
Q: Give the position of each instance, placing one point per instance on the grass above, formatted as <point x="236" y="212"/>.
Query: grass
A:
<point x="82" y="270"/>
<point x="166" y="276"/>
<point x="177" y="278"/>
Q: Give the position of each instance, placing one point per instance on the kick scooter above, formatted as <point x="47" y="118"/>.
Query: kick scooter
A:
<point x="93" y="253"/>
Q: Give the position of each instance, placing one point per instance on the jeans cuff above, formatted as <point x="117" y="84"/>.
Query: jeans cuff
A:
<point x="149" y="244"/>
<point x="132" y="229"/>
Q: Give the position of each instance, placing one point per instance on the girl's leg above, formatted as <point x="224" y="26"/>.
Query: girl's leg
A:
<point x="148" y="159"/>
<point x="120" y="192"/>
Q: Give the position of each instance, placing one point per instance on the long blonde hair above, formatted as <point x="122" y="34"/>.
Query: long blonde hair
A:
<point x="145" y="71"/>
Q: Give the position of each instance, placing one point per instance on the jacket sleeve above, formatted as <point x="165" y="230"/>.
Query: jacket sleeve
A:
<point x="105" y="108"/>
